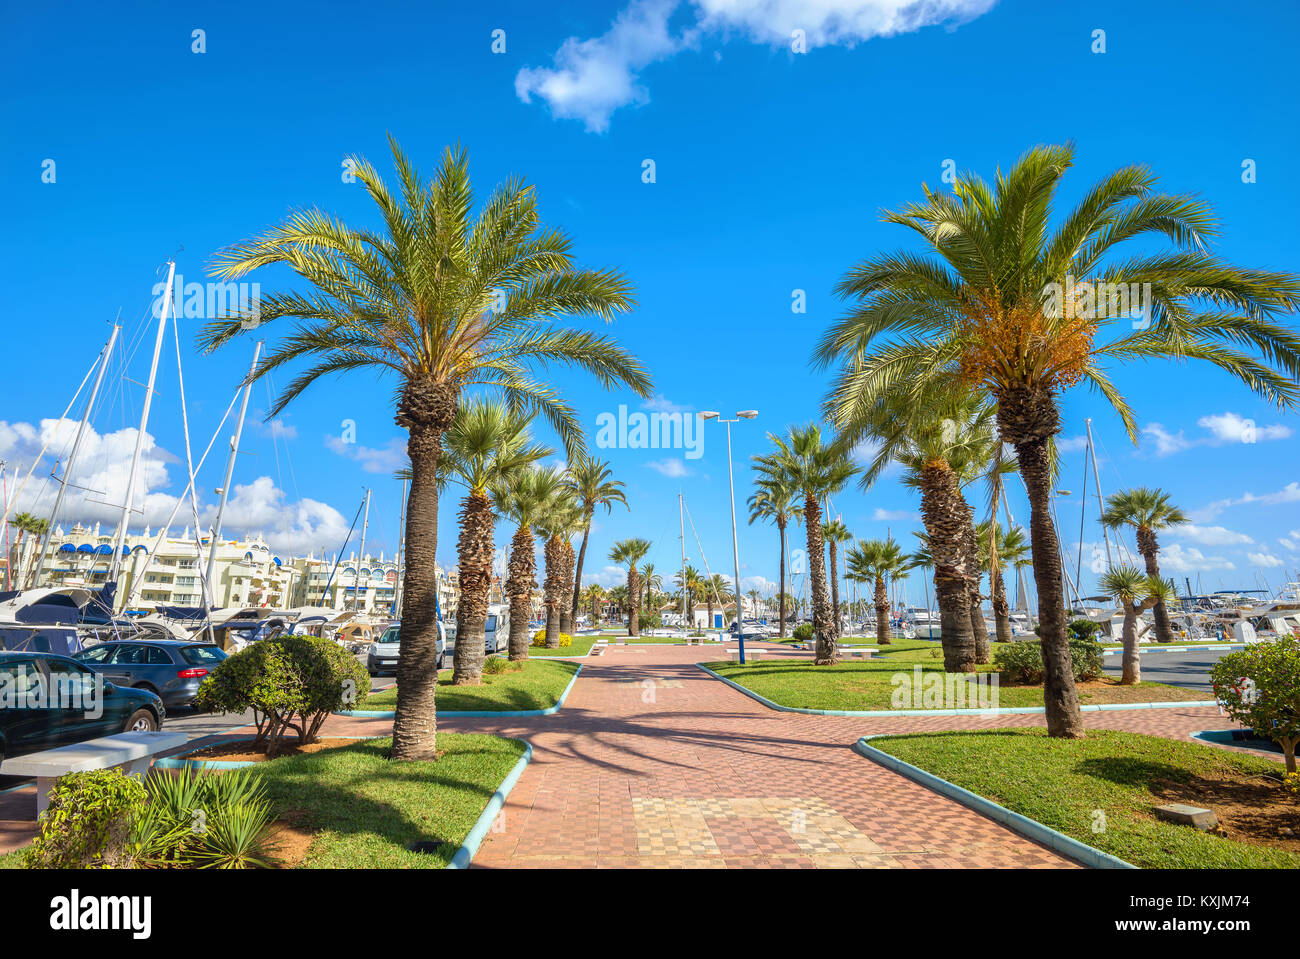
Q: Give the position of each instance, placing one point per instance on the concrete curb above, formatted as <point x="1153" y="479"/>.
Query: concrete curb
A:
<point x="178" y="760"/>
<point x="465" y="854"/>
<point x="473" y="713"/>
<point x="1002" y="711"/>
<point x="1176" y="649"/>
<point x="1029" y="828"/>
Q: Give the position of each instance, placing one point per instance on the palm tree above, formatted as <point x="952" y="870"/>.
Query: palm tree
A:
<point x="592" y="597"/>
<point x="876" y="560"/>
<point x="1003" y="304"/>
<point x="1135" y="591"/>
<point x="631" y="552"/>
<point x="444" y="302"/>
<point x="618" y="599"/>
<point x="485" y="445"/>
<point x="775" y="499"/>
<point x="560" y="519"/>
<point x="592" y="480"/>
<point x="1146" y="510"/>
<point x="691" y="585"/>
<point x="650" y="581"/>
<point x="27" y="525"/>
<point x="715" y="588"/>
<point x="523" y="496"/>
<point x="817" y="469"/>
<point x="1011" y="548"/>
<point x="835" y="532"/>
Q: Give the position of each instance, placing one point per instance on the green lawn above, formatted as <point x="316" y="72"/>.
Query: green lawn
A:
<point x="366" y="810"/>
<point x="580" y="647"/>
<point x="1062" y="783"/>
<point x="867" y="684"/>
<point x="537" y="686"/>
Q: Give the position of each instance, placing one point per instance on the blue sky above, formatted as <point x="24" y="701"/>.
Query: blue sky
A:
<point x="771" y="167"/>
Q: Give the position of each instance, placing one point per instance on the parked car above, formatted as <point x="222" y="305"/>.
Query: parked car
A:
<point x="170" y="668"/>
<point x="48" y="700"/>
<point x="382" y="654"/>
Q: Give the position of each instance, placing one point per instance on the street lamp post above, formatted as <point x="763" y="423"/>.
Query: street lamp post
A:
<point x="735" y="543"/>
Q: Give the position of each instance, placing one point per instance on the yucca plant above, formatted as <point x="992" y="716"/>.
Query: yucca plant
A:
<point x="1135" y="591"/>
<point x="1004" y="301"/>
<point x="441" y="301"/>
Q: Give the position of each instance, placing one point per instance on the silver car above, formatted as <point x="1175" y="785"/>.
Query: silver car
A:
<point x="382" y="654"/>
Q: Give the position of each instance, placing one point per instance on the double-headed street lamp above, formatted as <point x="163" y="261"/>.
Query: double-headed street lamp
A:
<point x="735" y="543"/>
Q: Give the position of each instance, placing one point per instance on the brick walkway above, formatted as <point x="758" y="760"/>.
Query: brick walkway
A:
<point x="652" y="763"/>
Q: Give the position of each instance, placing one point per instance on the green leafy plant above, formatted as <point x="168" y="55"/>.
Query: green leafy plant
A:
<point x="804" y="632"/>
<point x="203" y="819"/>
<point x="292" y="683"/>
<point x="494" y="665"/>
<point x="88" y="821"/>
<point x="1022" y="663"/>
<point x="1259" y="687"/>
<point x="649" y="621"/>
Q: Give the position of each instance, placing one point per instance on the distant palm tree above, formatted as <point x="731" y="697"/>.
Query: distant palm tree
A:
<point x="650" y="581"/>
<point x="1003" y="303"/>
<point x="593" y="483"/>
<point x="1146" y="510"/>
<point x="834" y="533"/>
<point x="878" y="560"/>
<point x="691" y="585"/>
<point x="560" y="520"/>
<point x="485" y="445"/>
<point x="524" y="496"/>
<point x="444" y="302"/>
<point x="816" y="468"/>
<point x="715" y="588"/>
<point x="1012" y="549"/>
<point x="27" y="525"/>
<point x="775" y="499"/>
<point x="630" y="552"/>
<point x="1135" y="591"/>
<point x="592" y="597"/>
<point x="618" y="600"/>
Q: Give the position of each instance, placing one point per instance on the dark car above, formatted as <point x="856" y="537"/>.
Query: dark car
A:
<point x="171" y="668"/>
<point x="47" y="700"/>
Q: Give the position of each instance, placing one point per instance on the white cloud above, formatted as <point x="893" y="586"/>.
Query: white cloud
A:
<point x="1287" y="494"/>
<point x="385" y="459"/>
<point x="1234" y="428"/>
<point x="608" y="576"/>
<point x="260" y="507"/>
<point x="590" y="79"/>
<point x="1291" y="542"/>
<point x="661" y="404"/>
<point x="1209" y="535"/>
<point x="670" y="467"/>
<point x="1166" y="442"/>
<point x="894" y="515"/>
<point x="276" y="429"/>
<point x="1176" y="558"/>
<point x="1263" y="559"/>
<point x="1071" y="444"/>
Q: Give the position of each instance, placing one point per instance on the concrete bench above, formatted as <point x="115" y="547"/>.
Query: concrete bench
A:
<point x="751" y="653"/>
<point x="856" y="651"/>
<point x="134" y="751"/>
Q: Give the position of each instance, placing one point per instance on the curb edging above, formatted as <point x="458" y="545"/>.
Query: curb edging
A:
<point x="1000" y="711"/>
<point x="474" y="838"/>
<point x="473" y="713"/>
<point x="1029" y="828"/>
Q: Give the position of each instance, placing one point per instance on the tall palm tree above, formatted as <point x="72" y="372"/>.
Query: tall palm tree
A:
<point x="775" y="499"/>
<point x="816" y="468"/>
<point x="524" y="497"/>
<point x="650" y="582"/>
<point x="485" y="445"/>
<point x="1146" y="510"/>
<point x="716" y="588"/>
<point x="1135" y="591"/>
<point x="618" y="599"/>
<point x="560" y="519"/>
<point x="631" y="552"/>
<point x="1011" y="548"/>
<point x="27" y="525"/>
<point x="875" y="561"/>
<point x="1004" y="302"/>
<point x="592" y="597"/>
<point x="691" y="585"/>
<point x="443" y="301"/>
<point x="592" y="480"/>
<point x="835" y="532"/>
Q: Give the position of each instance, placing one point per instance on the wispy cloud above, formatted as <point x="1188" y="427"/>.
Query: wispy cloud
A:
<point x="1221" y="429"/>
<point x="384" y="459"/>
<point x="894" y="515"/>
<point x="1287" y="494"/>
<point x="590" y="79"/>
<point x="673" y="468"/>
<point x="1210" y="535"/>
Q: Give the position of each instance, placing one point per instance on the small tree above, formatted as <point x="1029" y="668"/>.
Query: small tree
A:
<point x="290" y="683"/>
<point x="1259" y="687"/>
<point x="1136" y="592"/>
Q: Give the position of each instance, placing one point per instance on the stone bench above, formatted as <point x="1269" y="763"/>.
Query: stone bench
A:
<point x="750" y="654"/>
<point x="134" y="751"/>
<point x="856" y="651"/>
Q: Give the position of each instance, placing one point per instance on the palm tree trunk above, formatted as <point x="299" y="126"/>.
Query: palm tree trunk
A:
<point x="475" y="548"/>
<point x="983" y="649"/>
<point x="554" y="571"/>
<point x="577" y="574"/>
<point x="945" y="523"/>
<point x="823" y="628"/>
<point x="1001" y="609"/>
<point x="1131" y="669"/>
<point x="519" y="586"/>
<point x="1027" y="421"/>
<point x="426" y="410"/>
<point x="634" y="597"/>
<point x="882" y="613"/>
<point x="781" y="528"/>
<point x="835" y="590"/>
<point x="1148" y="548"/>
<point x="567" y="613"/>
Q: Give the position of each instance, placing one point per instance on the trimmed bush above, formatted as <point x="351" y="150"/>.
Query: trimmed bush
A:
<point x="88" y="822"/>
<point x="1259" y="687"/>
<point x="1021" y="664"/>
<point x="539" y="639"/>
<point x="290" y="683"/>
<point x="803" y="632"/>
<point x="649" y="621"/>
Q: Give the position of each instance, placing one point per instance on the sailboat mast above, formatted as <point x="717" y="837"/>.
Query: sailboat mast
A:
<point x="1096" y="478"/>
<point x="357" y="596"/>
<point x="681" y="528"/>
<point x="163" y="316"/>
<point x="76" y="447"/>
<point x="230" y="472"/>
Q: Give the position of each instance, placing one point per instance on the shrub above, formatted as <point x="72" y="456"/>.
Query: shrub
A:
<point x="290" y="683"/>
<point x="203" y="819"/>
<point x="1083" y="629"/>
<point x="804" y="632"/>
<point x="1259" y="687"/>
<point x="1022" y="663"/>
<point x="499" y="664"/>
<point x="88" y="821"/>
<point x="539" y="639"/>
<point x="649" y="621"/>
